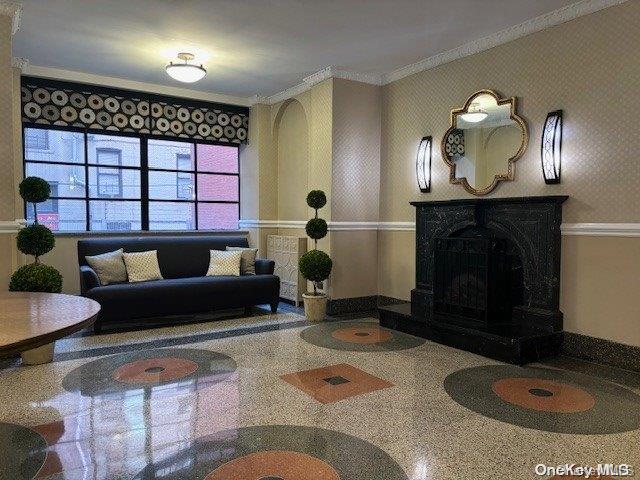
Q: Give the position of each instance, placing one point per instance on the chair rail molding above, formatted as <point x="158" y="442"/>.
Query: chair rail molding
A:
<point x="12" y="226"/>
<point x="567" y="229"/>
<point x="601" y="229"/>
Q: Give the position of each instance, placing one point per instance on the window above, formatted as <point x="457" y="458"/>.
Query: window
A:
<point x="193" y="186"/>
<point x="105" y="182"/>
<point x="36" y="139"/>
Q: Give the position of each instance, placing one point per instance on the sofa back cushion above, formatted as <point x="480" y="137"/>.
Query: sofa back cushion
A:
<point x="179" y="257"/>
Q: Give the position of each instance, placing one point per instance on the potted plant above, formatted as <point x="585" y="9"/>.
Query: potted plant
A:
<point x="35" y="240"/>
<point x="315" y="265"/>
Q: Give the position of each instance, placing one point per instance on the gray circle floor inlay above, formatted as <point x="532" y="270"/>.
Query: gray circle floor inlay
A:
<point x="546" y="399"/>
<point x="147" y="369"/>
<point x="350" y="457"/>
<point x="358" y="336"/>
<point x="22" y="452"/>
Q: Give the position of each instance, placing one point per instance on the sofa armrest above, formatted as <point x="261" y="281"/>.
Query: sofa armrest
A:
<point x="88" y="279"/>
<point x="264" y="266"/>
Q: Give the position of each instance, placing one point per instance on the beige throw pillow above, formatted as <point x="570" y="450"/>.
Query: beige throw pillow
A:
<point x="142" y="266"/>
<point x="109" y="267"/>
<point x="248" y="259"/>
<point x="224" y="263"/>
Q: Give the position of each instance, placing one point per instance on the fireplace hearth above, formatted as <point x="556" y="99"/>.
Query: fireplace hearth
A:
<point x="487" y="277"/>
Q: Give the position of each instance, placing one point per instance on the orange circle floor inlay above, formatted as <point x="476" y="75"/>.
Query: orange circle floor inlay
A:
<point x="543" y="395"/>
<point x="153" y="370"/>
<point x="274" y="464"/>
<point x="364" y="335"/>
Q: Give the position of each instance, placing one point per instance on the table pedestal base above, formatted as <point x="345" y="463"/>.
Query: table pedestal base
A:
<point x="37" y="356"/>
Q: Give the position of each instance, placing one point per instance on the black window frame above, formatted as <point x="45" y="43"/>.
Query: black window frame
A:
<point x="144" y="170"/>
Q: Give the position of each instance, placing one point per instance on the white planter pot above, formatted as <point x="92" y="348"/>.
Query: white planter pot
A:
<point x="315" y="307"/>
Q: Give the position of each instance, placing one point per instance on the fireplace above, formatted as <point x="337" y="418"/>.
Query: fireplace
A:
<point x="487" y="277"/>
<point x="477" y="279"/>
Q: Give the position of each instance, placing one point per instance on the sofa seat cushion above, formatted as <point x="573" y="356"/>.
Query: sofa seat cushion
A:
<point x="184" y="295"/>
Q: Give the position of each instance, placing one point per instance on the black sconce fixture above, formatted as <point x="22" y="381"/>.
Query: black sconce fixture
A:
<point x="423" y="165"/>
<point x="551" y="148"/>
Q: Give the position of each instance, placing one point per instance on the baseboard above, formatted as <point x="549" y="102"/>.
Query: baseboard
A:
<point x="341" y="306"/>
<point x="599" y="350"/>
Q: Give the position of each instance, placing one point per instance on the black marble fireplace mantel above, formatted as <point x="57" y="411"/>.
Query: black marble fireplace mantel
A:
<point x="530" y="226"/>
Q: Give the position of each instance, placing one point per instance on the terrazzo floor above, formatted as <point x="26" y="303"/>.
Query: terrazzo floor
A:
<point x="271" y="397"/>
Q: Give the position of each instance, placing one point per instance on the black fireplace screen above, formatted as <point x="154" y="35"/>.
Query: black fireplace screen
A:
<point x="472" y="281"/>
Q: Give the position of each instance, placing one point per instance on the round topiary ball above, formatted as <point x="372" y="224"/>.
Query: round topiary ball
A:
<point x="35" y="190"/>
<point x="35" y="240"/>
<point x="316" y="228"/>
<point x="316" y="199"/>
<point x="36" y="277"/>
<point x="315" y="265"/>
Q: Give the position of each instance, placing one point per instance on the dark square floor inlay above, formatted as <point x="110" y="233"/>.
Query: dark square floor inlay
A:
<point x="540" y="392"/>
<point x="337" y="380"/>
<point x="154" y="370"/>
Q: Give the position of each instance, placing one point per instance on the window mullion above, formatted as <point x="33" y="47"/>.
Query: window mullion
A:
<point x="86" y="180"/>
<point x="144" y="183"/>
<point x="195" y="182"/>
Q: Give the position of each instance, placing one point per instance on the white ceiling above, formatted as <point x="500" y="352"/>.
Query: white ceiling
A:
<point x="254" y="47"/>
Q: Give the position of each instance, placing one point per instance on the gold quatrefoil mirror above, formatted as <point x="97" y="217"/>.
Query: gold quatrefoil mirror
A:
<point x="484" y="140"/>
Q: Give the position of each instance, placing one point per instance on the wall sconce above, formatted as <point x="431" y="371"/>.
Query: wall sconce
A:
<point x="551" y="148"/>
<point x="423" y="165"/>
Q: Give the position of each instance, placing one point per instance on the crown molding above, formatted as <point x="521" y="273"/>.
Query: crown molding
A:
<point x="13" y="10"/>
<point x="19" y="62"/>
<point x="73" y="76"/>
<point x="321" y="76"/>
<point x="556" y="17"/>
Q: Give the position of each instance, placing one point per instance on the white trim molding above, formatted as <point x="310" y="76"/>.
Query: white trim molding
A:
<point x="567" y="229"/>
<point x="321" y="76"/>
<point x="601" y="229"/>
<point x="12" y="226"/>
<point x="13" y="10"/>
<point x="19" y="62"/>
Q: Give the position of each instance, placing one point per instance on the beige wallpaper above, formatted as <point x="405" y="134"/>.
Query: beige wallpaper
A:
<point x="292" y="142"/>
<point x="356" y="151"/>
<point x="588" y="67"/>
<point x="7" y="208"/>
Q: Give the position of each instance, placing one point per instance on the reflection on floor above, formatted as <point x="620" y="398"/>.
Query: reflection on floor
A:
<point x="273" y="397"/>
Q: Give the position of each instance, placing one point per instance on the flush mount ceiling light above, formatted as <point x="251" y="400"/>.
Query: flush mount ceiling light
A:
<point x="475" y="114"/>
<point x="186" y="72"/>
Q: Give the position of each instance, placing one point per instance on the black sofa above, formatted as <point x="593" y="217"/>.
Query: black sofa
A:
<point x="184" y="289"/>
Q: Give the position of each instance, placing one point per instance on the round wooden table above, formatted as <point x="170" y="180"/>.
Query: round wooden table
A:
<point x="31" y="322"/>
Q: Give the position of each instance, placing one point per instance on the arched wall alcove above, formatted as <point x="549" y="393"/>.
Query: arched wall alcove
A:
<point x="291" y="138"/>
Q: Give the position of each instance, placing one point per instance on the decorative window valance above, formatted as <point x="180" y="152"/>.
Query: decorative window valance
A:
<point x="52" y="102"/>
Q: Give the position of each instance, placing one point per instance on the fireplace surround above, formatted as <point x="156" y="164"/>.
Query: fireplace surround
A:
<point x="487" y="277"/>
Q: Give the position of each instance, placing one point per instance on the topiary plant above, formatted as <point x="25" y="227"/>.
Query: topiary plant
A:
<point x="315" y="265"/>
<point x="36" y="277"/>
<point x="35" y="240"/>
